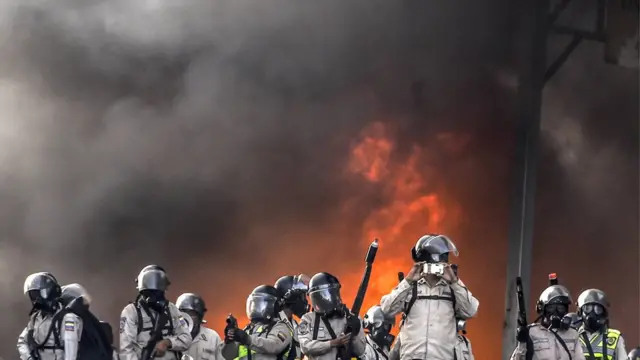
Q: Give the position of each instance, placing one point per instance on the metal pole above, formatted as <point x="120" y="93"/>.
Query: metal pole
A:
<point x="534" y="17"/>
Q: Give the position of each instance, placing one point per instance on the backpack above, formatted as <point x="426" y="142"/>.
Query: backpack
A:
<point x="94" y="341"/>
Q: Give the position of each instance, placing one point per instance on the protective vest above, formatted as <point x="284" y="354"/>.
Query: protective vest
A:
<point x="245" y="354"/>
<point x="599" y="348"/>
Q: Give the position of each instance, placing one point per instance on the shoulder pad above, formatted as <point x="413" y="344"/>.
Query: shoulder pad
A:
<point x="614" y="332"/>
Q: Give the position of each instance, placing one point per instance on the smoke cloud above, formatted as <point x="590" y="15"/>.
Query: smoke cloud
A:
<point x="211" y="136"/>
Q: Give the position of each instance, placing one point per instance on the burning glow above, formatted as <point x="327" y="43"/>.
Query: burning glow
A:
<point x="415" y="203"/>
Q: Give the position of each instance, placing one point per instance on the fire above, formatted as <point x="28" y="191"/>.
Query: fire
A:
<point x="416" y="203"/>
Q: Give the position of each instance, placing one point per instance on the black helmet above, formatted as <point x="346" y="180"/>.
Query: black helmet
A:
<point x="293" y="291"/>
<point x="152" y="279"/>
<point x="43" y="290"/>
<point x="634" y="354"/>
<point x="553" y="305"/>
<point x="324" y="292"/>
<point x="433" y="248"/>
<point x="151" y="267"/>
<point x="263" y="304"/>
<point x="192" y="302"/>
<point x="73" y="291"/>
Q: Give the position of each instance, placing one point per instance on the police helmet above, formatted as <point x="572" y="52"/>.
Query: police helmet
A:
<point x="553" y="295"/>
<point x="375" y="318"/>
<point x="263" y="303"/>
<point x="192" y="302"/>
<point x="634" y="354"/>
<point x="593" y="300"/>
<point x="42" y="287"/>
<point x="433" y="248"/>
<point x="152" y="279"/>
<point x="324" y="292"/>
<point x="151" y="267"/>
<point x="73" y="291"/>
<point x="293" y="291"/>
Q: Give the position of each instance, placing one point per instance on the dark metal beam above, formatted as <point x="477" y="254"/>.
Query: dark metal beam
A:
<point x="557" y="64"/>
<point x="557" y="10"/>
<point x="532" y="66"/>
<point x="586" y="35"/>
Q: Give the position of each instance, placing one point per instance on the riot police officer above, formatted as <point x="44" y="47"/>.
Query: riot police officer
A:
<point x="431" y="298"/>
<point x="330" y="329"/>
<point x="463" y="347"/>
<point x="266" y="337"/>
<point x="152" y="308"/>
<point x="293" y="293"/>
<point x="206" y="342"/>
<point x="378" y="328"/>
<point x="36" y="340"/>
<point x="596" y="338"/>
<point x="554" y="338"/>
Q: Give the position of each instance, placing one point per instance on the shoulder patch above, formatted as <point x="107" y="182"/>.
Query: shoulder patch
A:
<point x="69" y="326"/>
<point x="303" y="328"/>
<point x="203" y="337"/>
<point x="183" y="321"/>
<point x="282" y="336"/>
<point x="123" y="322"/>
<point x="611" y="341"/>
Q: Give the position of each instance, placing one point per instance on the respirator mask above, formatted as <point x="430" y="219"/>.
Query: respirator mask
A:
<point x="155" y="299"/>
<point x="554" y="317"/>
<point x="382" y="337"/>
<point x="594" y="316"/>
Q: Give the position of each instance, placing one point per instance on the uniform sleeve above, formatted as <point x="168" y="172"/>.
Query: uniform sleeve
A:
<point x="216" y="344"/>
<point x="466" y="304"/>
<point x="393" y="303"/>
<point x="369" y="353"/>
<point x="471" y="357"/>
<point x="229" y="351"/>
<point x="578" y="351"/>
<point x="359" y="343"/>
<point x="278" y="339"/>
<point x="308" y="346"/>
<point x="621" y="350"/>
<point x="71" y="332"/>
<point x="181" y="337"/>
<point x="23" y="346"/>
<point x="520" y="352"/>
<point x="128" y="333"/>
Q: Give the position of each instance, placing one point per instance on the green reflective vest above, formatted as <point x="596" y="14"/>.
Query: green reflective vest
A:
<point x="245" y="354"/>
<point x="598" y="344"/>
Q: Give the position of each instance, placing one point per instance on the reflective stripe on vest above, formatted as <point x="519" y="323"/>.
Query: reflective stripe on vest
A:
<point x="596" y="341"/>
<point x="243" y="352"/>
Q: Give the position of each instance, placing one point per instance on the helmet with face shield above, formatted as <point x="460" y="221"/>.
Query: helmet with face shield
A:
<point x="553" y="305"/>
<point x="152" y="285"/>
<point x="293" y="291"/>
<point x="263" y="304"/>
<point x="43" y="290"/>
<point x="324" y="293"/>
<point x="73" y="291"/>
<point x="379" y="325"/>
<point x="433" y="248"/>
<point x="594" y="309"/>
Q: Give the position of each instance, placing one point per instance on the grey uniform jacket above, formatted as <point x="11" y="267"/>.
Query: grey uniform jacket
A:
<point x="132" y="342"/>
<point x="293" y="327"/>
<point x="547" y="347"/>
<point x="320" y="348"/>
<point x="207" y="345"/>
<point x="266" y="343"/>
<point x="463" y="349"/>
<point x="620" y="352"/>
<point x="374" y="352"/>
<point x="70" y="332"/>
<point x="429" y="331"/>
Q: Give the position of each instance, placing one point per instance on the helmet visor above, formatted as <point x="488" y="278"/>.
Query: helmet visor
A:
<point x="153" y="280"/>
<point x="325" y="299"/>
<point x="73" y="291"/>
<point x="261" y="306"/>
<point x="434" y="247"/>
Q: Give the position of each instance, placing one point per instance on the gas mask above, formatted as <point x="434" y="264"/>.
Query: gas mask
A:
<point x="382" y="337"/>
<point x="40" y="303"/>
<point x="154" y="299"/>
<point x="197" y="321"/>
<point x="554" y="315"/>
<point x="594" y="317"/>
<point x="299" y="305"/>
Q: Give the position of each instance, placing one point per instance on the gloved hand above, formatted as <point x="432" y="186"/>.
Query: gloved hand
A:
<point x="241" y="336"/>
<point x="354" y="323"/>
<point x="522" y="335"/>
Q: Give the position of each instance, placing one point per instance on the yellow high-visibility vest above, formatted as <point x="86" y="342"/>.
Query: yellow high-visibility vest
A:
<point x="244" y="353"/>
<point x="598" y="343"/>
